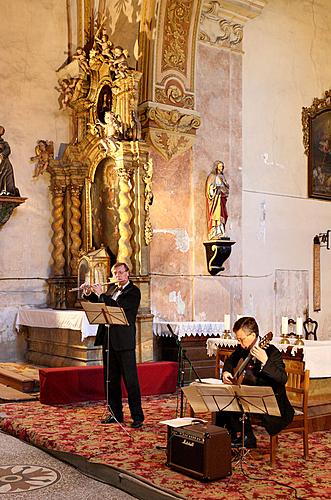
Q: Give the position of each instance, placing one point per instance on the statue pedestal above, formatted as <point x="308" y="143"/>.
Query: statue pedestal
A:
<point x="217" y="251"/>
<point x="7" y="205"/>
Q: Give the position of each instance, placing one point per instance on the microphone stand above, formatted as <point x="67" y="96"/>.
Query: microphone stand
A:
<point x="182" y="357"/>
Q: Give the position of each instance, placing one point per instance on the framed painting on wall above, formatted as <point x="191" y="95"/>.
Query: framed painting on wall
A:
<point x="316" y="122"/>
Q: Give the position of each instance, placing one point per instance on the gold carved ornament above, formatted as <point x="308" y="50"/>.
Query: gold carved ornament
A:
<point x="170" y="132"/>
<point x="147" y="178"/>
<point x="177" y="25"/>
<point x="308" y="113"/>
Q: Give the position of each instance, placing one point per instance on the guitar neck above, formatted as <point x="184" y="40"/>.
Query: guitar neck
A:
<point x="242" y="366"/>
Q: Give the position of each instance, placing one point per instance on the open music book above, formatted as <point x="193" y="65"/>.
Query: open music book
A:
<point x="224" y="397"/>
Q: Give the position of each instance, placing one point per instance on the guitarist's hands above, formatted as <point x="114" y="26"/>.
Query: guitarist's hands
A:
<point x="259" y="354"/>
<point x="227" y="378"/>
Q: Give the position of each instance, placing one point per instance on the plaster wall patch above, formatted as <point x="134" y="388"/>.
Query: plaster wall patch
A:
<point x="182" y="238"/>
<point x="176" y="298"/>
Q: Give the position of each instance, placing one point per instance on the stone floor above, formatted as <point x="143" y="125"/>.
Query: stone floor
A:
<point x="28" y="473"/>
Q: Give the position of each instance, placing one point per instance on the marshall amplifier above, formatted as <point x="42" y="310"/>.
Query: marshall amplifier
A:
<point x="202" y="451"/>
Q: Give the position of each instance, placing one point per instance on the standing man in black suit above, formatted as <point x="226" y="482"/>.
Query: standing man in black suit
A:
<point x="268" y="370"/>
<point x="118" y="345"/>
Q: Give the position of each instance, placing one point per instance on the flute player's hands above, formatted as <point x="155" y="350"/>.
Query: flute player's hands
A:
<point x="86" y="289"/>
<point x="97" y="289"/>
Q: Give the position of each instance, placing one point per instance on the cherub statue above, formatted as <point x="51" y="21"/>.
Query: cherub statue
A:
<point x="66" y="89"/>
<point x="105" y="45"/>
<point x="120" y="63"/>
<point x="80" y="56"/>
<point x="44" y="152"/>
<point x="108" y="131"/>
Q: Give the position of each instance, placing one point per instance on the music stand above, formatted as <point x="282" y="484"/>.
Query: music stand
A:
<point x="182" y="357"/>
<point x="98" y="313"/>
<point x="237" y="398"/>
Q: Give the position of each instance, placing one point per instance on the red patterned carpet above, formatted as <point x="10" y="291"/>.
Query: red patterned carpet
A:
<point x="76" y="429"/>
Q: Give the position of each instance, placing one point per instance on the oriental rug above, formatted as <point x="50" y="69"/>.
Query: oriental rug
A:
<point x="76" y="429"/>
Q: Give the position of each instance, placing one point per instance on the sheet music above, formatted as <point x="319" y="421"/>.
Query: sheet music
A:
<point x="181" y="421"/>
<point x="194" y="397"/>
<point x="224" y="397"/>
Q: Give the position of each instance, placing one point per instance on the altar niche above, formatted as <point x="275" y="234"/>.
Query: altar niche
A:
<point x="105" y="208"/>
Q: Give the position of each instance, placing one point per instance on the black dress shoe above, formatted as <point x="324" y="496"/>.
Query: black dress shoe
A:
<point x="111" y="420"/>
<point x="249" y="442"/>
<point x="136" y="424"/>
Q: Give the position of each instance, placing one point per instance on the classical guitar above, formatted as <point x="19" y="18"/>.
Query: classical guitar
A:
<point x="243" y="372"/>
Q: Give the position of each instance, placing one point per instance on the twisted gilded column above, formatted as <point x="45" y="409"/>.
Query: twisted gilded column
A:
<point x="125" y="214"/>
<point x="75" y="226"/>
<point x="58" y="231"/>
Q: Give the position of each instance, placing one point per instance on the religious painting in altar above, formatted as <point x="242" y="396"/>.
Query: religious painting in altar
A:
<point x="316" y="122"/>
<point x="105" y="208"/>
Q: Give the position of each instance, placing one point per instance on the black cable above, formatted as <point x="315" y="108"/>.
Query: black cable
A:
<point x="270" y="481"/>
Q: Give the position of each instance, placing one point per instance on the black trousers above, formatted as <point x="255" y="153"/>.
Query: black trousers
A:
<point x="232" y="421"/>
<point x="119" y="364"/>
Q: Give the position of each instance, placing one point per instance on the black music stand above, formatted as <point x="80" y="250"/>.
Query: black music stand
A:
<point x="98" y="313"/>
<point x="182" y="358"/>
<point x="237" y="398"/>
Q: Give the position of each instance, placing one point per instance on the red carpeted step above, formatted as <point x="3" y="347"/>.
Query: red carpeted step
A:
<point x="73" y="384"/>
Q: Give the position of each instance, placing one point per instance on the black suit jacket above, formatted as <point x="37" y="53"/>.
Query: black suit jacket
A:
<point x="273" y="374"/>
<point x="121" y="337"/>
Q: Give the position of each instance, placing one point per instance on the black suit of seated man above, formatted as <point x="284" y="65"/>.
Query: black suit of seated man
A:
<point x="268" y="370"/>
<point x="118" y="348"/>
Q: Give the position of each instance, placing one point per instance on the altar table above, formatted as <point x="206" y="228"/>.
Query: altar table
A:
<point x="316" y="354"/>
<point x="65" y="338"/>
<point x="53" y="318"/>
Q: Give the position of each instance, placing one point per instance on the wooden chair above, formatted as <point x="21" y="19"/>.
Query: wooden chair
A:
<point x="297" y="387"/>
<point x="221" y="355"/>
<point x="310" y="327"/>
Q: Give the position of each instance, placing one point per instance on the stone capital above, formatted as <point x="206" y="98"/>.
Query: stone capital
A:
<point x="169" y="130"/>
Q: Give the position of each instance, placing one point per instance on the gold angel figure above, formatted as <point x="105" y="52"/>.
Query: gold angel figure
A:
<point x="44" y="153"/>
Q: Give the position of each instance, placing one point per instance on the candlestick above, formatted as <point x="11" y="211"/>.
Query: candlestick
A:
<point x="284" y="325"/>
<point x="299" y="326"/>
<point x="299" y="340"/>
<point x="227" y="322"/>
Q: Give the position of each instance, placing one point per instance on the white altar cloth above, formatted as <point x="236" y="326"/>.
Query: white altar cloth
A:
<point x="53" y="318"/>
<point x="182" y="328"/>
<point x="316" y="354"/>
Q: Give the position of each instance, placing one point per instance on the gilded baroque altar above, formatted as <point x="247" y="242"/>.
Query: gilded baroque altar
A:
<point x="101" y="184"/>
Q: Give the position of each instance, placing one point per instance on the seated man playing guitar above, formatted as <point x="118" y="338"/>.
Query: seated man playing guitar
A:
<point x="255" y="363"/>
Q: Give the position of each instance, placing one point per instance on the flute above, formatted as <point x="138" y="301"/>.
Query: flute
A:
<point x="109" y="282"/>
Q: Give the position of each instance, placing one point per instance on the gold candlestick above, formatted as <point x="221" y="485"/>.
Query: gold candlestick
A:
<point x="284" y="339"/>
<point x="299" y="340"/>
<point x="227" y="334"/>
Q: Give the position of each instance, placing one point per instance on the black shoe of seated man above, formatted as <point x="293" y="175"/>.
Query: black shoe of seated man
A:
<point x="136" y="424"/>
<point x="111" y="420"/>
<point x="249" y="442"/>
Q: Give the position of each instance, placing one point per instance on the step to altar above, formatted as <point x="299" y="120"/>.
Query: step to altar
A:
<point x="23" y="378"/>
<point x="10" y="395"/>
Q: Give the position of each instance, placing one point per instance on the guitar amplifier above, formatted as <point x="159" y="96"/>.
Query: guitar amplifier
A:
<point x="202" y="451"/>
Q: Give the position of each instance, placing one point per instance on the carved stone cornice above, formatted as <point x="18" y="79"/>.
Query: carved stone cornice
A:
<point x="170" y="131"/>
<point x="318" y="106"/>
<point x="222" y="21"/>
